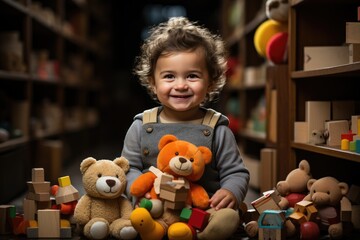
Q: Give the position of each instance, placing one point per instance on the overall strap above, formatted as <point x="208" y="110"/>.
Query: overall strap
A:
<point x="211" y="118"/>
<point x="150" y="115"/>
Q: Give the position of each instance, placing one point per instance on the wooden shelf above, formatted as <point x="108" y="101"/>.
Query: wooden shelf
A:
<point x="13" y="143"/>
<point x="329" y="151"/>
<point x="348" y="69"/>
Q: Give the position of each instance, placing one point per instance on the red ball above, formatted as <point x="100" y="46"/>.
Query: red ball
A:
<point x="276" y="48"/>
<point x="309" y="231"/>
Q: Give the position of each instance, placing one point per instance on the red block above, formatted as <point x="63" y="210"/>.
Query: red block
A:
<point x="199" y="219"/>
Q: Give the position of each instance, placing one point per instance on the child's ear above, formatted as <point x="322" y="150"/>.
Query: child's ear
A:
<point x="152" y="84"/>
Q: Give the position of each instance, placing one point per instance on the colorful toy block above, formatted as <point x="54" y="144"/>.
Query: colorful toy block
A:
<point x="304" y="211"/>
<point x="7" y="213"/>
<point x="271" y="225"/>
<point x="199" y="219"/>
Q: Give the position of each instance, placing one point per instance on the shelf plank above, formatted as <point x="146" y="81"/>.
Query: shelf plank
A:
<point x="329" y="151"/>
<point x="17" y="6"/>
<point x="14" y="75"/>
<point x="13" y="143"/>
<point x="353" y="68"/>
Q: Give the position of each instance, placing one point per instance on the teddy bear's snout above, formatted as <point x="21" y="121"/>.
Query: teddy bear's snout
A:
<point x="182" y="160"/>
<point x="110" y="182"/>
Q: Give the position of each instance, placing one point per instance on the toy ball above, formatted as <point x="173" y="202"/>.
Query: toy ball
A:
<point x="264" y="33"/>
<point x="309" y="231"/>
<point x="277" y="10"/>
<point x="276" y="48"/>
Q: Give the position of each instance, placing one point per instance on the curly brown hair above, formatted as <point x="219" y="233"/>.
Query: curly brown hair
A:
<point x="180" y="34"/>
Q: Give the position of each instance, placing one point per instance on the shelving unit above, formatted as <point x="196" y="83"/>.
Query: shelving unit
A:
<point x="51" y="93"/>
<point x="239" y="22"/>
<point x="325" y="84"/>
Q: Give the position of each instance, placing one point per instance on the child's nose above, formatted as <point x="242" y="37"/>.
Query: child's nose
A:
<point x="181" y="84"/>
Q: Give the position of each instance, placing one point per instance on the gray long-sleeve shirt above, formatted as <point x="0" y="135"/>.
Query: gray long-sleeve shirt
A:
<point x="226" y="170"/>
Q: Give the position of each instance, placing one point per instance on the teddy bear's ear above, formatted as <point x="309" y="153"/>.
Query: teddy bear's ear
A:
<point x="123" y="163"/>
<point x="310" y="183"/>
<point x="165" y="140"/>
<point x="206" y="153"/>
<point x="305" y="166"/>
<point x="86" y="163"/>
<point x="344" y="188"/>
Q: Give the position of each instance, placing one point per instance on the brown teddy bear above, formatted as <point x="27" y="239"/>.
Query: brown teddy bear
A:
<point x="103" y="211"/>
<point x="180" y="159"/>
<point x="294" y="188"/>
<point x="327" y="193"/>
<point x="290" y="191"/>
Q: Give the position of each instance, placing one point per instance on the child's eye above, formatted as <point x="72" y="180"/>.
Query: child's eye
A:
<point x="193" y="76"/>
<point x="168" y="76"/>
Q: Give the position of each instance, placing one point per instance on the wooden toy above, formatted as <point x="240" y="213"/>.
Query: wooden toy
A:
<point x="7" y="213"/>
<point x="334" y="129"/>
<point x="316" y="113"/>
<point x="49" y="223"/>
<point x="199" y="219"/>
<point x="271" y="225"/>
<point x="269" y="201"/>
<point x="66" y="192"/>
<point x="304" y="211"/>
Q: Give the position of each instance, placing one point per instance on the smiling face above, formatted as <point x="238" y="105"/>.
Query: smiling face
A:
<point x="181" y="81"/>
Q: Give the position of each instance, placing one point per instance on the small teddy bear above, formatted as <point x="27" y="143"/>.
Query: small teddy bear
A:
<point x="103" y="211"/>
<point x="327" y="193"/>
<point x="294" y="188"/>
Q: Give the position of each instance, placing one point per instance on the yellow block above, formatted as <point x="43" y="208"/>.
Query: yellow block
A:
<point x="64" y="181"/>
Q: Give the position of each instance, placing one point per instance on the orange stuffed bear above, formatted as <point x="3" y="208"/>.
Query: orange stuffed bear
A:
<point x="181" y="159"/>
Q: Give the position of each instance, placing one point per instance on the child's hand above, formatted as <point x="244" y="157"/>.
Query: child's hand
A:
<point x="223" y="199"/>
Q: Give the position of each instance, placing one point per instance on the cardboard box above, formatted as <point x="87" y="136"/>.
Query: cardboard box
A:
<point x="353" y="32"/>
<point x="354" y="52"/>
<point x="325" y="56"/>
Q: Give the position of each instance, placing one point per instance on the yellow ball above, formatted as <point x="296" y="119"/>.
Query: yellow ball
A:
<point x="264" y="32"/>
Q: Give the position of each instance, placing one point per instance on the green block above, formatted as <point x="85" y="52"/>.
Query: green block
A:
<point x="185" y="214"/>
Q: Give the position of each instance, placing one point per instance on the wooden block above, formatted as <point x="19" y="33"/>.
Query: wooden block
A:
<point x="354" y="52"/>
<point x="168" y="192"/>
<point x="317" y="57"/>
<point x="64" y="181"/>
<point x="185" y="214"/>
<point x="38" y="175"/>
<point x="66" y="194"/>
<point x="265" y="202"/>
<point x="316" y="114"/>
<point x="268" y="169"/>
<point x="301" y="132"/>
<point x="6" y="214"/>
<point x="42" y="197"/>
<point x="306" y="208"/>
<point x="38" y="187"/>
<point x="174" y="205"/>
<point x="334" y="130"/>
<point x="353" y="32"/>
<point x="355" y="124"/>
<point x="49" y="223"/>
<point x="30" y="209"/>
<point x="199" y="219"/>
